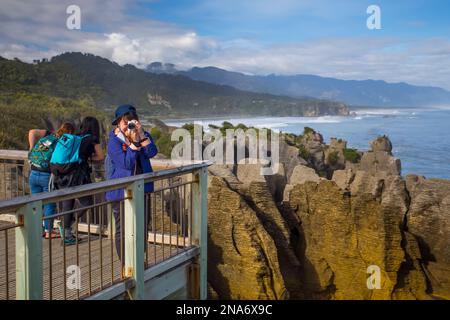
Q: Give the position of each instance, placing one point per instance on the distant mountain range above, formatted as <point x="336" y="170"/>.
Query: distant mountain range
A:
<point x="353" y="92"/>
<point x="79" y="76"/>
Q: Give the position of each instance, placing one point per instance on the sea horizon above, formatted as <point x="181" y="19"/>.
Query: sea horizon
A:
<point x="414" y="133"/>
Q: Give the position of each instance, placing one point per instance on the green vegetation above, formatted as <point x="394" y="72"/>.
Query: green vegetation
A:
<point x="303" y="152"/>
<point x="189" y="127"/>
<point x="107" y="84"/>
<point x="333" y="158"/>
<point x="241" y="126"/>
<point x="227" y="125"/>
<point x="308" y="130"/>
<point x="24" y="111"/>
<point x="162" y="141"/>
<point x="322" y="174"/>
<point x="351" y="155"/>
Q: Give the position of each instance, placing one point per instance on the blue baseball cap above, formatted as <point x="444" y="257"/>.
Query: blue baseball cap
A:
<point x="121" y="110"/>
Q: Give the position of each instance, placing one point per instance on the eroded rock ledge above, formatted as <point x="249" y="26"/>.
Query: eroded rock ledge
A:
<point x="298" y="235"/>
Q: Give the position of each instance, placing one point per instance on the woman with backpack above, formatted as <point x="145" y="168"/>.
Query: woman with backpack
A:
<point x="42" y="144"/>
<point x="129" y="151"/>
<point x="70" y="167"/>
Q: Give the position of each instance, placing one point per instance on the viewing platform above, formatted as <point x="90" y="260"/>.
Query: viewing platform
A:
<point x="170" y="263"/>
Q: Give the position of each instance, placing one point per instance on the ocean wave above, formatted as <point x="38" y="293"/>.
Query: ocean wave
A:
<point x="271" y="122"/>
<point x="443" y="107"/>
<point x="379" y="112"/>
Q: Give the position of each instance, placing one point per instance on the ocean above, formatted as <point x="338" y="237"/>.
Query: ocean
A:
<point x="420" y="136"/>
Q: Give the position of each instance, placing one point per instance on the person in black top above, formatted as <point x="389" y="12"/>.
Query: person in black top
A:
<point x="90" y="149"/>
<point x="39" y="177"/>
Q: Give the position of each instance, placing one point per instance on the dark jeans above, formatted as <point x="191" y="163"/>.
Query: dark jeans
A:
<point x="67" y="205"/>
<point x="119" y="235"/>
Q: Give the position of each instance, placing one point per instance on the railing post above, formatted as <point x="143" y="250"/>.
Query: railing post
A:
<point x="134" y="237"/>
<point x="111" y="227"/>
<point x="200" y="225"/>
<point x="29" y="273"/>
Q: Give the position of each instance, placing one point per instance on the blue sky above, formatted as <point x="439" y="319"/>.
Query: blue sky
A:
<point x="292" y="21"/>
<point x="322" y="37"/>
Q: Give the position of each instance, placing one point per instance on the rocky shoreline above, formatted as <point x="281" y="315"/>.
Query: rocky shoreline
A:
<point x="312" y="230"/>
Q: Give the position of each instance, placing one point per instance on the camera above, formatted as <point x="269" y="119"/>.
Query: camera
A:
<point x="132" y="124"/>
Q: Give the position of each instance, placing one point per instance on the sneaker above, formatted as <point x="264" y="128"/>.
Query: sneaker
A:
<point x="54" y="234"/>
<point x="69" y="241"/>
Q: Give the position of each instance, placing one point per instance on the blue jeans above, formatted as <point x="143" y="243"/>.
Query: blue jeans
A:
<point x="39" y="183"/>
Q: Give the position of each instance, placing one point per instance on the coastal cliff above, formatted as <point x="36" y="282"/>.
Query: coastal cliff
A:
<point x="312" y="230"/>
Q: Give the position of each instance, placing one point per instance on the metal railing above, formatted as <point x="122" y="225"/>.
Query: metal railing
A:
<point x="154" y="228"/>
<point x="14" y="172"/>
<point x="7" y="268"/>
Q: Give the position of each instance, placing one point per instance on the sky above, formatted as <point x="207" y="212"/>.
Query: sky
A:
<point x="321" y="37"/>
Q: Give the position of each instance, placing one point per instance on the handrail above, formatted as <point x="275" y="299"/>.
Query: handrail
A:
<point x="30" y="278"/>
<point x="13" y="154"/>
<point x="7" y="206"/>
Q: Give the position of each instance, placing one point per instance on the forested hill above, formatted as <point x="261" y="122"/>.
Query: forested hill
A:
<point x="374" y="93"/>
<point x="78" y="75"/>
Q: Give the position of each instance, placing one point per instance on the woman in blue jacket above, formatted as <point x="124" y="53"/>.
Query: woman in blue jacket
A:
<point x="129" y="151"/>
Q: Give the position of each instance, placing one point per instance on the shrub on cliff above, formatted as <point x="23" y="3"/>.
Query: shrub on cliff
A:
<point x="333" y="158"/>
<point x="303" y="152"/>
<point x="351" y="155"/>
<point x="308" y="130"/>
<point x="162" y="141"/>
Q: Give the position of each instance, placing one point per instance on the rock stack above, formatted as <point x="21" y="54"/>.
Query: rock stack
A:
<point x="299" y="235"/>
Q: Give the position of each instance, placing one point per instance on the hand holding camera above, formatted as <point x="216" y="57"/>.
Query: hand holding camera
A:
<point x="133" y="131"/>
<point x="132" y="124"/>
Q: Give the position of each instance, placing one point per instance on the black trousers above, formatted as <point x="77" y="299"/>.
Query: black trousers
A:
<point x="118" y="212"/>
<point x="68" y="205"/>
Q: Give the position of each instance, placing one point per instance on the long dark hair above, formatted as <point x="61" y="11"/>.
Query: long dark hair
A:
<point x="90" y="125"/>
<point x="66" y="127"/>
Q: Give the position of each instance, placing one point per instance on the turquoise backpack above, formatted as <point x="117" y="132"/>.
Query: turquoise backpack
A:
<point x="40" y="155"/>
<point x="66" y="155"/>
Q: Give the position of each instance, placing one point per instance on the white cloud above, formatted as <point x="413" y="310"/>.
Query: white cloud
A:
<point x="35" y="31"/>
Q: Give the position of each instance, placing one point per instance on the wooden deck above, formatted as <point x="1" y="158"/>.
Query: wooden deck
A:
<point x="104" y="265"/>
<point x="179" y="217"/>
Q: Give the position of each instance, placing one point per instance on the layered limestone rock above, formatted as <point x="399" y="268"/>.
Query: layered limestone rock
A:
<point x="382" y="144"/>
<point x="290" y="158"/>
<point x="261" y="211"/>
<point x="341" y="236"/>
<point x="300" y="175"/>
<point x="314" y="145"/>
<point x="242" y="256"/>
<point x="428" y="220"/>
<point x="329" y="238"/>
<point x="334" y="154"/>
<point x="355" y="222"/>
<point x="323" y="158"/>
<point x="248" y="171"/>
<point x="379" y="158"/>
